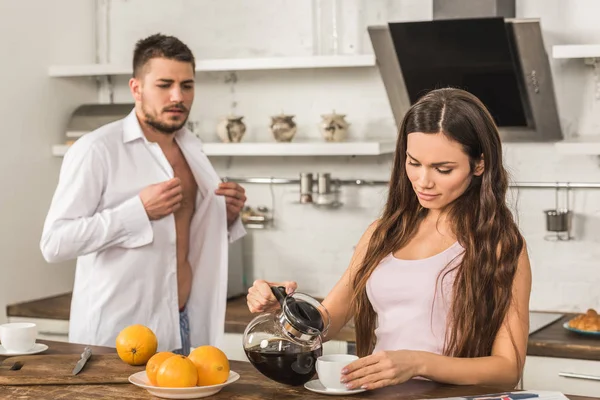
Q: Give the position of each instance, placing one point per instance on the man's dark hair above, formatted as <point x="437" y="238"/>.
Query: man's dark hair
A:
<point x="159" y="45"/>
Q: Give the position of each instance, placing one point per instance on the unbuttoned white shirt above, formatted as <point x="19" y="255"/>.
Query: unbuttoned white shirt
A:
<point x="126" y="264"/>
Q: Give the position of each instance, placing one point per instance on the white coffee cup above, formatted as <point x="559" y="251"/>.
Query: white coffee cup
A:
<point x="18" y="336"/>
<point x="329" y="368"/>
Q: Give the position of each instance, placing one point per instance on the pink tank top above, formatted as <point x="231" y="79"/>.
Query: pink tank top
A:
<point x="411" y="310"/>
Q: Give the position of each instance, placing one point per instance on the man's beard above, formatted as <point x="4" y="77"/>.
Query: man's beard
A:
<point x="162" y="127"/>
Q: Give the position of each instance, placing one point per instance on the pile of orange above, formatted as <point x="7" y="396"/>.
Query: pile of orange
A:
<point x="205" y="366"/>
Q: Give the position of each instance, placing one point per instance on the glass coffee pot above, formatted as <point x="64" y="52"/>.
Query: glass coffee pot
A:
<point x="284" y="345"/>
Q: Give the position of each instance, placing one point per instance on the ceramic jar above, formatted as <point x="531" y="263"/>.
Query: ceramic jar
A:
<point x="333" y="127"/>
<point x="231" y="129"/>
<point x="283" y="127"/>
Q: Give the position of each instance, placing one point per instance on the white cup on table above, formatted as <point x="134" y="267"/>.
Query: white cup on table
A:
<point x="329" y="368"/>
<point x="18" y="337"/>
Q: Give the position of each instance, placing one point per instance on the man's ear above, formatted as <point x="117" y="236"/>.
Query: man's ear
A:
<point x="479" y="167"/>
<point x="136" y="88"/>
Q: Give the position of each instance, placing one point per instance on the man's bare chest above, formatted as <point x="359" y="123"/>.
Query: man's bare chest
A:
<point x="182" y="170"/>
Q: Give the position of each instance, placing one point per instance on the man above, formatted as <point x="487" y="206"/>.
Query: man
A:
<point x="144" y="212"/>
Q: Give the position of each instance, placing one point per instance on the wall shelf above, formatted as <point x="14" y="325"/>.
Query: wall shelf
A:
<point x="576" y="51"/>
<point x="362" y="148"/>
<point x="582" y="145"/>
<point x="234" y="64"/>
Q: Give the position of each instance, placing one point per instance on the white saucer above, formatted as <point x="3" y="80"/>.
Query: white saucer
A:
<point x="317" y="387"/>
<point x="37" y="348"/>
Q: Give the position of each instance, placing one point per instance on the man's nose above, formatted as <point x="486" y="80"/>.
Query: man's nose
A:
<point x="176" y="95"/>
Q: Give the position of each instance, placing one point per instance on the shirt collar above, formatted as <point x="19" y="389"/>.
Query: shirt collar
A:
<point x="131" y="128"/>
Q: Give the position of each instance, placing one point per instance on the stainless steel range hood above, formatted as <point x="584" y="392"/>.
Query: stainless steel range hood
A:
<point x="500" y="60"/>
<point x="88" y="117"/>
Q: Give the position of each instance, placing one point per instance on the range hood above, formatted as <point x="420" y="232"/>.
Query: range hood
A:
<point x="500" y="60"/>
<point x="88" y="117"/>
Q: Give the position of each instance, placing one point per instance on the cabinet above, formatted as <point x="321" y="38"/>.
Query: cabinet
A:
<point x="569" y="376"/>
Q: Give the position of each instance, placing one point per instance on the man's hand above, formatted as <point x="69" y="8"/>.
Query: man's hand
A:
<point x="162" y="199"/>
<point x="235" y="198"/>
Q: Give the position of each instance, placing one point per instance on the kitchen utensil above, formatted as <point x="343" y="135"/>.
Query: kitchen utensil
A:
<point x="558" y="220"/>
<point x="15" y="367"/>
<point x="55" y="369"/>
<point x="306" y="184"/>
<point x="87" y="353"/>
<point x="284" y="345"/>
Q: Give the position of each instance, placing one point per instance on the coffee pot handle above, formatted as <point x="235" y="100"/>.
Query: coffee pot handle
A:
<point x="279" y="293"/>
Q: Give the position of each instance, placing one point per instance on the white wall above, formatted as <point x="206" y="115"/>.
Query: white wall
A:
<point x="34" y="111"/>
<point x="310" y="245"/>
<point x="314" y="246"/>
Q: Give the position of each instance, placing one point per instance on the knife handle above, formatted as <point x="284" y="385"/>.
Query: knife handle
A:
<point x="86" y="353"/>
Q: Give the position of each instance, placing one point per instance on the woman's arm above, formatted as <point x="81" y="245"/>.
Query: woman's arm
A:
<point x="502" y="368"/>
<point x="339" y="299"/>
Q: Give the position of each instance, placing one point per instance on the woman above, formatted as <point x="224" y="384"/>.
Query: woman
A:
<point x="439" y="285"/>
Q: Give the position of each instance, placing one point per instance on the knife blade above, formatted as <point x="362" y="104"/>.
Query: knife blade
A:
<point x="87" y="353"/>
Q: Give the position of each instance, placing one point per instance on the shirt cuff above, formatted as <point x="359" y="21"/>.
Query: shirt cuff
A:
<point x="135" y="222"/>
<point x="236" y="230"/>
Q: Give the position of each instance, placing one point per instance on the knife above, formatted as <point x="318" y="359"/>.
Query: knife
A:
<point x="87" y="353"/>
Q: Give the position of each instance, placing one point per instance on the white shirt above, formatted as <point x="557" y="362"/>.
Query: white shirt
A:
<point x="126" y="264"/>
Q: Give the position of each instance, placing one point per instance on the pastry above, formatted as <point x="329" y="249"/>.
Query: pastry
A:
<point x="590" y="321"/>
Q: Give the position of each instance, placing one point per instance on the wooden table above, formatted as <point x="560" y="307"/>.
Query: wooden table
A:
<point x="552" y="341"/>
<point x="251" y="386"/>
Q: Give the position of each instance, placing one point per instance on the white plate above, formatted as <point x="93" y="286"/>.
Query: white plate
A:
<point x="37" y="348"/>
<point x="317" y="387"/>
<point x="141" y="379"/>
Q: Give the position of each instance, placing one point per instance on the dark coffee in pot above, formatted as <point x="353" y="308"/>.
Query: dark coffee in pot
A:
<point x="287" y="368"/>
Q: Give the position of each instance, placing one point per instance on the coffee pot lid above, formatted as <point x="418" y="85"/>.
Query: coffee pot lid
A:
<point x="300" y="317"/>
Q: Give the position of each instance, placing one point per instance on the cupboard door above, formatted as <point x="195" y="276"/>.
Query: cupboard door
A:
<point x="569" y="376"/>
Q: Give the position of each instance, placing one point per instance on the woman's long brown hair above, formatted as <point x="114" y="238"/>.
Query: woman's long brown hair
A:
<point x="480" y="218"/>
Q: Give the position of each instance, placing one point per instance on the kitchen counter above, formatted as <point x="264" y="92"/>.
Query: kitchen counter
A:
<point x="551" y="341"/>
<point x="58" y="307"/>
<point x="251" y="386"/>
<point x="555" y="341"/>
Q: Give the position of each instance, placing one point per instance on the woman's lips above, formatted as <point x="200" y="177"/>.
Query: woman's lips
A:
<point x="426" y="196"/>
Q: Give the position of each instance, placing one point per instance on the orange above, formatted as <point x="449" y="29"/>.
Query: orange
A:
<point x="136" y="344"/>
<point x="212" y="365"/>
<point x="154" y="364"/>
<point x="177" y="372"/>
